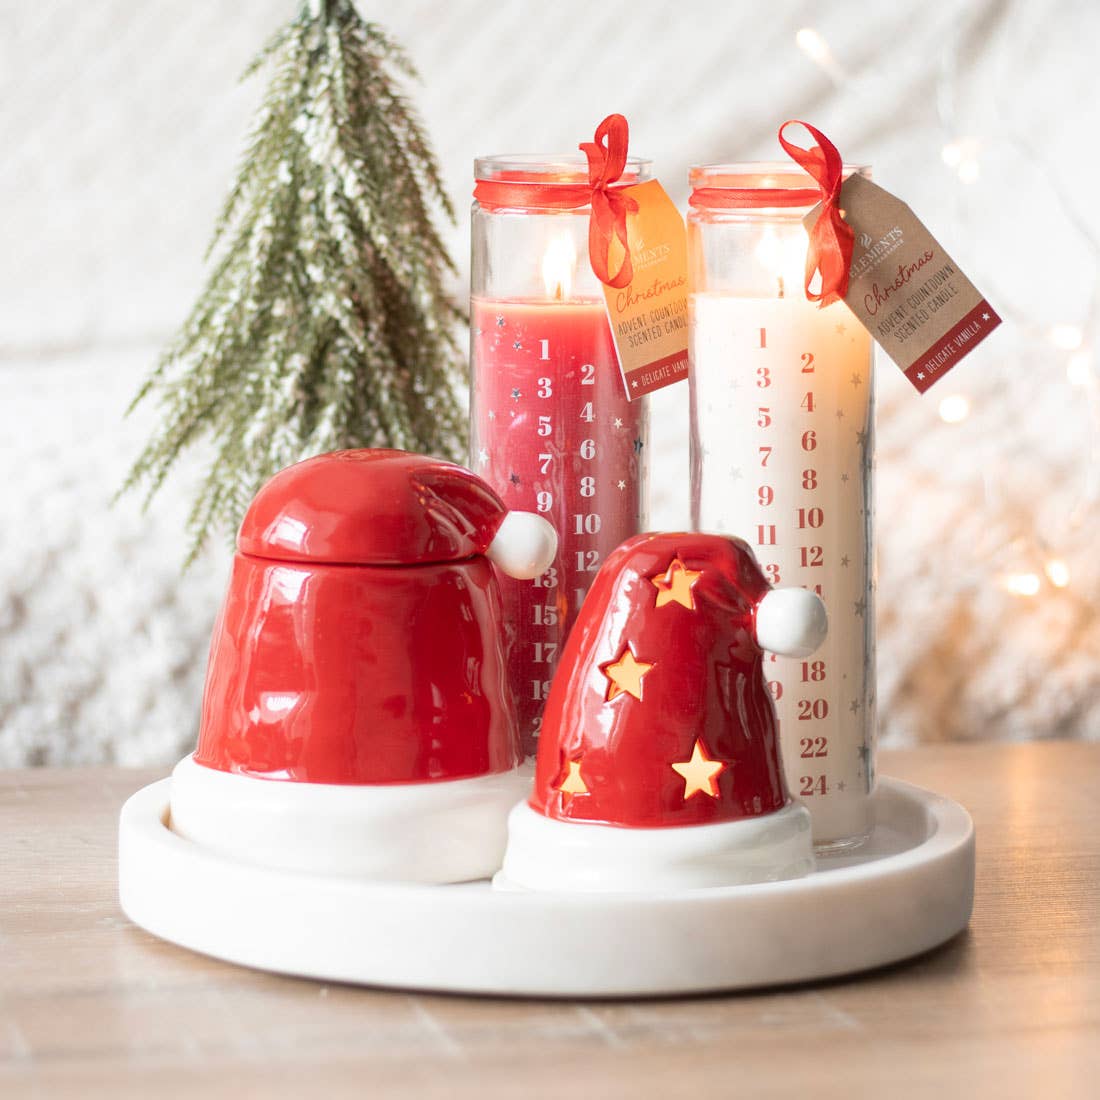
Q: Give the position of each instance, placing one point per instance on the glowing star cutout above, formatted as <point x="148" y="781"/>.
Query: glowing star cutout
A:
<point x="700" y="773"/>
<point x="676" y="584"/>
<point x="625" y="675"/>
<point x="573" y="783"/>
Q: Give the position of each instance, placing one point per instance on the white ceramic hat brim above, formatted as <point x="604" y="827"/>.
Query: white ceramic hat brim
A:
<point x="447" y="831"/>
<point x="545" y="854"/>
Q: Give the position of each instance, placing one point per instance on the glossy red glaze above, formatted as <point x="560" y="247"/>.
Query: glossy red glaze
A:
<point x="706" y="685"/>
<point x="380" y="507"/>
<point x="362" y="673"/>
<point x="339" y="674"/>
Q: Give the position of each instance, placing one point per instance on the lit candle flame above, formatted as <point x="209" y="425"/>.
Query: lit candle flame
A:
<point x="784" y="257"/>
<point x="559" y="266"/>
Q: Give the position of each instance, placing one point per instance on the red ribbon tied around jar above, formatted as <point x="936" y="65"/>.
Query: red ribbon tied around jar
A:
<point x="832" y="238"/>
<point x="606" y="155"/>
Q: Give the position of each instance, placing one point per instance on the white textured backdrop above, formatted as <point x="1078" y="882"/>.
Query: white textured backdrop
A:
<point x="121" y="123"/>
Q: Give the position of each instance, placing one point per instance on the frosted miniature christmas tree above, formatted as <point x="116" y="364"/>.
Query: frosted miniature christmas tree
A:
<point x="325" y="322"/>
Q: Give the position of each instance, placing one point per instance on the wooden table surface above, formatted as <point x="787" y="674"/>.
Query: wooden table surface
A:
<point x="92" y="1006"/>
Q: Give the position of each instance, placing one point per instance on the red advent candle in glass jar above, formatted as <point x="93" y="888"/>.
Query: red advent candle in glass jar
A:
<point x="551" y="427"/>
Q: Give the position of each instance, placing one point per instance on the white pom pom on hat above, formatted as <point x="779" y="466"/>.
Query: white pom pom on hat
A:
<point x="524" y="546"/>
<point x="791" y="622"/>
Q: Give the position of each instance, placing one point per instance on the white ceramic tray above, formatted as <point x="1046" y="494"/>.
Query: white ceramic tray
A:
<point x="908" y="889"/>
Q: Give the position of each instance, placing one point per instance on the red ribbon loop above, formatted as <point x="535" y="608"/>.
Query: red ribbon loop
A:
<point x="610" y="206"/>
<point x="606" y="155"/>
<point x="832" y="238"/>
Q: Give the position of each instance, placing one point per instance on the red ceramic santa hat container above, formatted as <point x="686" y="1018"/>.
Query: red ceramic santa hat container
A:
<point x="356" y="718"/>
<point x="658" y="763"/>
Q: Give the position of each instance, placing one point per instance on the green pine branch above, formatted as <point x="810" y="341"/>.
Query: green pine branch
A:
<point x="325" y="322"/>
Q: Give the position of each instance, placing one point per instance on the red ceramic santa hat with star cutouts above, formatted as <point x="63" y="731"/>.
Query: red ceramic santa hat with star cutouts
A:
<point x="658" y="762"/>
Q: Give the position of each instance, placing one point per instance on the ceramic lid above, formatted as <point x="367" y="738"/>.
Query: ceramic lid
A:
<point x="371" y="507"/>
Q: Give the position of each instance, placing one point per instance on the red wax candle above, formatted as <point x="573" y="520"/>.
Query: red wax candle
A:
<point x="553" y="432"/>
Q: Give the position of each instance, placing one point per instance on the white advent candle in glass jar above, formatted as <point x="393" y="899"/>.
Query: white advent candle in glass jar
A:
<point x="781" y="456"/>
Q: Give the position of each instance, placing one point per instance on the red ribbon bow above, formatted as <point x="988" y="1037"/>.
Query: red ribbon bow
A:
<point x="832" y="238"/>
<point x="610" y="206"/>
<point x="606" y="155"/>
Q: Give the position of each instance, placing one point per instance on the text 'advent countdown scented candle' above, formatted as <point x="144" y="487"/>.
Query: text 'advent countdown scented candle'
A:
<point x="781" y="441"/>
<point x="552" y="429"/>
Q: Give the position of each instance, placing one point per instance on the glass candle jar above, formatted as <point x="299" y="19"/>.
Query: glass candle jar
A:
<point x="781" y="455"/>
<point x="551" y="427"/>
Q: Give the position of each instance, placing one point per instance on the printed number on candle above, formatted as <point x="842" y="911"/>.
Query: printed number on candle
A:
<point x="554" y="409"/>
<point x="802" y="519"/>
<point x="588" y="561"/>
<point x="812" y="708"/>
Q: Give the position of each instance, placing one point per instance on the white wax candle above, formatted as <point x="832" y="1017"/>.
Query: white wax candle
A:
<point x="781" y="457"/>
